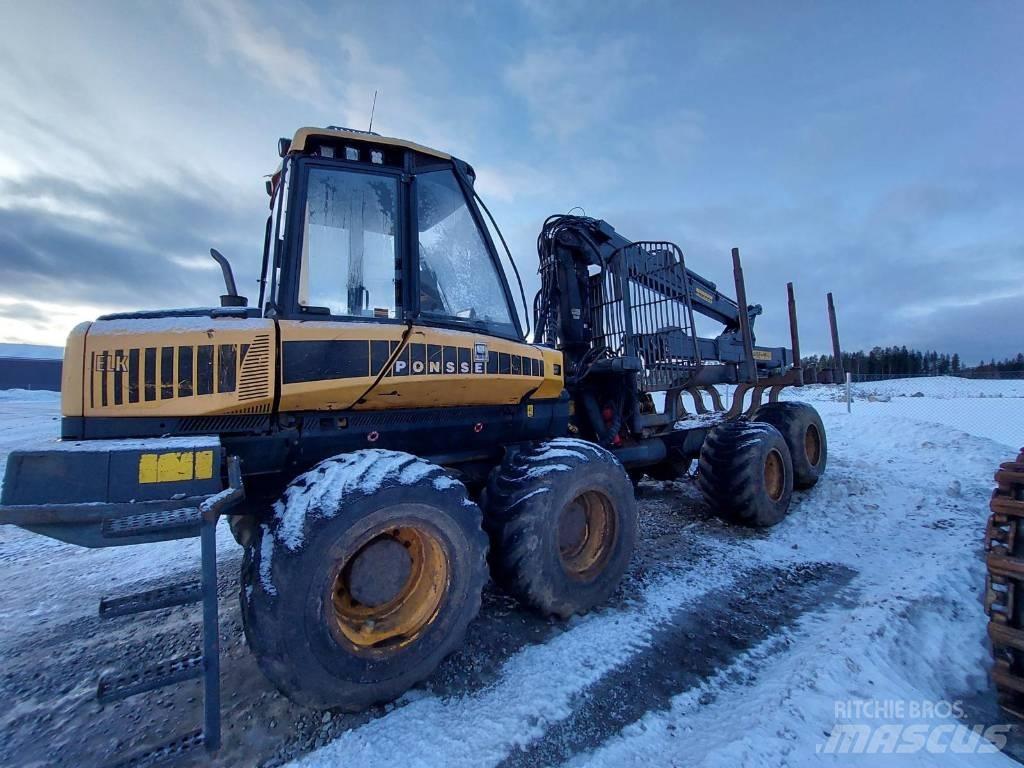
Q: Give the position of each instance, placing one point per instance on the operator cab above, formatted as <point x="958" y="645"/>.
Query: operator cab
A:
<point x="369" y="228"/>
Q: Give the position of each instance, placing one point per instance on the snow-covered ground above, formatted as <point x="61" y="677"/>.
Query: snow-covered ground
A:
<point x="725" y="647"/>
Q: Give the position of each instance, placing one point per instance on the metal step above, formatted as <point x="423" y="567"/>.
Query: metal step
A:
<point x="165" y="597"/>
<point x="164" y="752"/>
<point x="117" y="687"/>
<point x="171" y="523"/>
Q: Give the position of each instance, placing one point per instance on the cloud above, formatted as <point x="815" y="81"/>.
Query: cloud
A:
<point x="568" y="88"/>
<point x="127" y="257"/>
<point x="26" y="312"/>
<point x="980" y="331"/>
<point x="231" y="27"/>
<point x="901" y="266"/>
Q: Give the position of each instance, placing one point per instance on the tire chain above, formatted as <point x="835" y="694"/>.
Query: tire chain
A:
<point x="1004" y="584"/>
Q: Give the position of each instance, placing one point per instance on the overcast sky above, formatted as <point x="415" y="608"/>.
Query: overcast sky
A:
<point x="874" y="149"/>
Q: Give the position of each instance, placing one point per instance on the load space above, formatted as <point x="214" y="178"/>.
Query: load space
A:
<point x="1004" y="546"/>
<point x="386" y="432"/>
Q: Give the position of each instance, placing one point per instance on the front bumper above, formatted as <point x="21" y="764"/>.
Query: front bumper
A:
<point x="104" y="493"/>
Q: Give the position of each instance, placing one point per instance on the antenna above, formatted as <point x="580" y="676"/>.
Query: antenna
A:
<point x="374" y="107"/>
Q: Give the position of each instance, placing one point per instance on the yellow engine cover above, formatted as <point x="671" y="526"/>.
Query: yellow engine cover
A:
<point x="178" y="366"/>
<point x="199" y="366"/>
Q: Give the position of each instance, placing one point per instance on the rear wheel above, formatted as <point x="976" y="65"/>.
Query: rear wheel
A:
<point x="562" y="520"/>
<point x="364" y="580"/>
<point x="746" y="473"/>
<point x="801" y="428"/>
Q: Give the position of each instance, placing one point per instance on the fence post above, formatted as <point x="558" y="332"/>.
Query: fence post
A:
<point x="849" y="378"/>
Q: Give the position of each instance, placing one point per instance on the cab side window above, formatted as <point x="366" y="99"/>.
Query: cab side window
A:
<point x="458" y="278"/>
<point x="349" y="254"/>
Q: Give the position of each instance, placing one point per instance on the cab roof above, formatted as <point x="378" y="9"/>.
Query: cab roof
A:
<point x="301" y="140"/>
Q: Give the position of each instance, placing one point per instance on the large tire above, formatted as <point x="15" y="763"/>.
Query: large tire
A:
<point x="562" y="521"/>
<point x="746" y="474"/>
<point x="364" y="580"/>
<point x="804" y="433"/>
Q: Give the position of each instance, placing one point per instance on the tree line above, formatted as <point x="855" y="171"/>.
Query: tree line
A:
<point x="901" y="361"/>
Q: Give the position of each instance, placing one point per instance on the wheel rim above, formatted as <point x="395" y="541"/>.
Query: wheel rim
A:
<point x="812" y="445"/>
<point x="586" y="532"/>
<point x="774" y="475"/>
<point x="387" y="593"/>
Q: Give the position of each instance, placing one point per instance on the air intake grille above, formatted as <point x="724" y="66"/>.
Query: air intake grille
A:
<point x="254" y="383"/>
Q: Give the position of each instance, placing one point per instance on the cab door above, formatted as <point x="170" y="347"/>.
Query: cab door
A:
<point x="341" y="292"/>
<point x="398" y="300"/>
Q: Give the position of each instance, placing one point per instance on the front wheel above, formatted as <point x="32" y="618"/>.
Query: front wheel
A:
<point x="364" y="580"/>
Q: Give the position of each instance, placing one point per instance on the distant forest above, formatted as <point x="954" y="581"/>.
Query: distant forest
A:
<point x="901" y="361"/>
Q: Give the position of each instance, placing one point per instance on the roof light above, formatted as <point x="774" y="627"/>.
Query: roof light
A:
<point x="326" y="151"/>
<point x="377" y="157"/>
<point x="351" y="153"/>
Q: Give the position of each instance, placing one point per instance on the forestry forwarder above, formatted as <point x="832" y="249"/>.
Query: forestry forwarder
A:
<point x="377" y="430"/>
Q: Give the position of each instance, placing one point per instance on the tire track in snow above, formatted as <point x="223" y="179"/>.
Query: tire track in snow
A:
<point x="690" y="648"/>
<point x="540" y="687"/>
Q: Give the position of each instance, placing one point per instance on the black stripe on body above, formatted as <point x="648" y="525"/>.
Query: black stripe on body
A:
<point x="417" y="359"/>
<point x="118" y="378"/>
<point x="450" y="360"/>
<point x="185" y="359"/>
<point x="204" y="370"/>
<point x="401" y="365"/>
<point x="166" y="373"/>
<point x="227" y="367"/>
<point x="149" y="374"/>
<point x="103" y="379"/>
<point x="435" y="359"/>
<point x="379" y="353"/>
<point x="133" y="375"/>
<point x="319" y="360"/>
